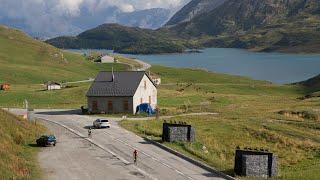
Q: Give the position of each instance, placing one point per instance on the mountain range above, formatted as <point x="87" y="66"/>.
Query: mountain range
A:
<point x="149" y="18"/>
<point x="47" y="28"/>
<point x="264" y="25"/>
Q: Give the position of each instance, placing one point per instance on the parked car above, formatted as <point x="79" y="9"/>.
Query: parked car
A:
<point x="101" y="123"/>
<point x="46" y="140"/>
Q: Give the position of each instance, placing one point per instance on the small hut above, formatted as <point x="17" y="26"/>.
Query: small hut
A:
<point x="53" y="85"/>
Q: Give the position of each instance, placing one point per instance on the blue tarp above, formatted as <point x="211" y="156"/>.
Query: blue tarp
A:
<point x="145" y="108"/>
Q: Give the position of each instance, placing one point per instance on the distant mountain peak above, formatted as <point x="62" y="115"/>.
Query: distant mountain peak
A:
<point x="194" y="9"/>
<point x="149" y="18"/>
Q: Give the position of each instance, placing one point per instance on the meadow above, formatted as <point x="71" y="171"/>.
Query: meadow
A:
<point x="248" y="116"/>
<point x="248" y="110"/>
<point x="27" y="61"/>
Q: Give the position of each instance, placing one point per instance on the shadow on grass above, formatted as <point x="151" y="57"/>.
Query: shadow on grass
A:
<point x="63" y="112"/>
<point x="33" y="145"/>
<point x="41" y="90"/>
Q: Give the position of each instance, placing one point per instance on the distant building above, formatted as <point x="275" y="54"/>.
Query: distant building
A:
<point x="5" y="86"/>
<point x="53" y="86"/>
<point x="121" y="92"/>
<point x="155" y="78"/>
<point x="107" y="59"/>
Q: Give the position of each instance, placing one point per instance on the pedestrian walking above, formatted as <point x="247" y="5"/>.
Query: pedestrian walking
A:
<point x="135" y="156"/>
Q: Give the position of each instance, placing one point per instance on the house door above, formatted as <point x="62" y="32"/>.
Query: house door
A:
<point x="94" y="106"/>
<point x="110" y="106"/>
<point x="126" y="105"/>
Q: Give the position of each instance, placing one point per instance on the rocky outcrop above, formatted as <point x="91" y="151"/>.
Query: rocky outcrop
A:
<point x="194" y="9"/>
<point x="231" y="16"/>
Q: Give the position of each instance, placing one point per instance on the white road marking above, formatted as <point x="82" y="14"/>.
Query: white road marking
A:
<point x="103" y="148"/>
<point x="148" y="155"/>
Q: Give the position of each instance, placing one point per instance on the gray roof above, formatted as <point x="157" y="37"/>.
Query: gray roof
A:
<point x="125" y="84"/>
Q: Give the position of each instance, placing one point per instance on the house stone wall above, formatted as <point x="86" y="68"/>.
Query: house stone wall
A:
<point x="144" y="93"/>
<point x="117" y="102"/>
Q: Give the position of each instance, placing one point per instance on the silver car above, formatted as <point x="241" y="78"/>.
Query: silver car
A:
<point x="101" y="123"/>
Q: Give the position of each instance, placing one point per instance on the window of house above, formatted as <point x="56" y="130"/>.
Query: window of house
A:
<point x="149" y="99"/>
<point x="110" y="106"/>
<point x="126" y="105"/>
<point x="145" y="84"/>
<point x="141" y="100"/>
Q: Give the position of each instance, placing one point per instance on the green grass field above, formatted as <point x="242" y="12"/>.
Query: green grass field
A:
<point x="18" y="155"/>
<point x="248" y="117"/>
<point x="27" y="61"/>
<point x="248" y="109"/>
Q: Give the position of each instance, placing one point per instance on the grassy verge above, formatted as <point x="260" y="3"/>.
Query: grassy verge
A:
<point x="248" y="117"/>
<point x="17" y="153"/>
<point x="73" y="97"/>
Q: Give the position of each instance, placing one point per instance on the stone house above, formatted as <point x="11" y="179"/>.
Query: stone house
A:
<point x="121" y="92"/>
<point x="53" y="86"/>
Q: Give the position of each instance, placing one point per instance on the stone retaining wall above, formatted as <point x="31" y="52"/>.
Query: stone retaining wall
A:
<point x="178" y="132"/>
<point x="255" y="164"/>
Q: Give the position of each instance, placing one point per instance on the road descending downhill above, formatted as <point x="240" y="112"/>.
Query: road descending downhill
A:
<point x="108" y="154"/>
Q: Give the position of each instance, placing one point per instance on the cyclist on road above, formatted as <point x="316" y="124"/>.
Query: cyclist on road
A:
<point x="135" y="156"/>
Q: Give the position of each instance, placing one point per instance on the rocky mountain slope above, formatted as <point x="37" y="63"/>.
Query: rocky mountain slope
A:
<point x="265" y="25"/>
<point x="235" y="16"/>
<point x="194" y="9"/>
<point x="149" y="18"/>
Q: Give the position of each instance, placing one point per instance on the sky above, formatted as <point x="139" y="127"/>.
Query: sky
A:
<point x="55" y="17"/>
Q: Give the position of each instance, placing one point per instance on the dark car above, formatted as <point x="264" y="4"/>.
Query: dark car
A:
<point x="46" y="141"/>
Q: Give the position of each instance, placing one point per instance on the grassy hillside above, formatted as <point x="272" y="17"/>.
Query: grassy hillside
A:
<point x="25" y="60"/>
<point x="121" y="39"/>
<point x="248" y="117"/>
<point x="18" y="158"/>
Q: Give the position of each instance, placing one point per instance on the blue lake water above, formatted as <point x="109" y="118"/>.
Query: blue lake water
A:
<point x="275" y="67"/>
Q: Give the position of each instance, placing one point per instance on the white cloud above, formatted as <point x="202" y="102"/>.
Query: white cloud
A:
<point x="70" y="7"/>
<point x="53" y="16"/>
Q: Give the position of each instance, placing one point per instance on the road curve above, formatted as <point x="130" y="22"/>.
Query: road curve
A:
<point x="153" y="162"/>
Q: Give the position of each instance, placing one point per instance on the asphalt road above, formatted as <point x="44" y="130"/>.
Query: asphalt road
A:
<point x="108" y="153"/>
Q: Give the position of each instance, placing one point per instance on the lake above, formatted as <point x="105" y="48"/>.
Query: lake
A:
<point x="275" y="67"/>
